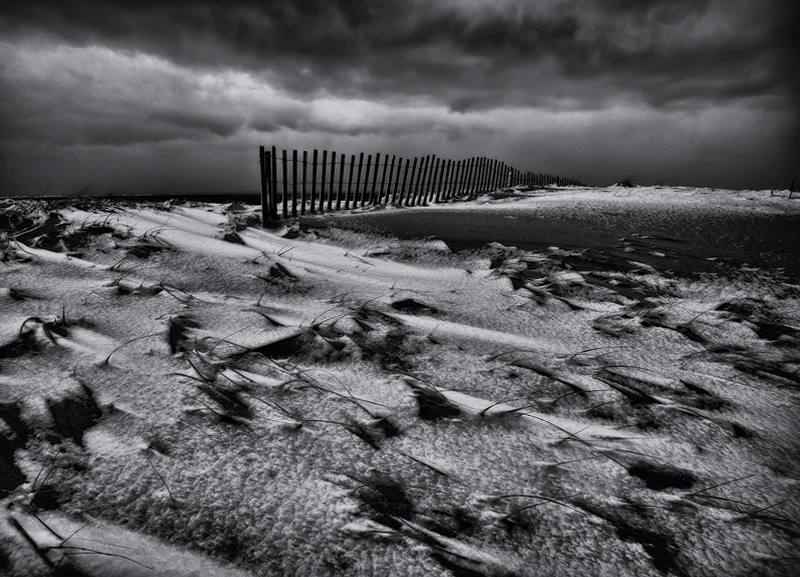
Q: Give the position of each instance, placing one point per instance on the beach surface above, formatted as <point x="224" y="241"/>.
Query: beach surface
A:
<point x="573" y="381"/>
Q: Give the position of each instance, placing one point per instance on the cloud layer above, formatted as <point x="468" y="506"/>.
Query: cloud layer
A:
<point x="661" y="51"/>
<point x="699" y="90"/>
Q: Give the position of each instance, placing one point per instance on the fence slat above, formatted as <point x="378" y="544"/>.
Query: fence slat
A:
<point x="364" y="194"/>
<point x="446" y="182"/>
<point x="350" y="182"/>
<point x="273" y="203"/>
<point x="419" y="187"/>
<point x="305" y="165"/>
<point x="413" y="180"/>
<point x="314" y="160"/>
<point x="436" y="165"/>
<point x="375" y="178"/>
<point x="262" y="167"/>
<point x="322" y="183"/>
<point x="294" y="183"/>
<point x="470" y="172"/>
<point x="388" y="190"/>
<point x="341" y="182"/>
<point x="385" y="193"/>
<point x="358" y="180"/>
<point x="416" y="177"/>
<point x="437" y="180"/>
<point x="397" y="179"/>
<point x="285" y="187"/>
<point x="332" y="184"/>
<point x="426" y="180"/>
<point x="405" y="180"/>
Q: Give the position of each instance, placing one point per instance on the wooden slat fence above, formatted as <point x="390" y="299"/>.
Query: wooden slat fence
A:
<point x="335" y="182"/>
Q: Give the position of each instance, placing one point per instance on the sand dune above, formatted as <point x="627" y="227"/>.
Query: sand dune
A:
<point x="182" y="393"/>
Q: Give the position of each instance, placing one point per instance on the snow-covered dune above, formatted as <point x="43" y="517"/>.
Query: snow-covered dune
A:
<point x="184" y="394"/>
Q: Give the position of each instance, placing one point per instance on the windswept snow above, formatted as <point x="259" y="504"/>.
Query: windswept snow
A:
<point x="184" y="394"/>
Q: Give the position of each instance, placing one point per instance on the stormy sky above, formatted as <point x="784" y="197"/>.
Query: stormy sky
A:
<point x="176" y="96"/>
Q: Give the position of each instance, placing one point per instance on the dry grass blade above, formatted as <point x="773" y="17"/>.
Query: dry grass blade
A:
<point x="106" y="361"/>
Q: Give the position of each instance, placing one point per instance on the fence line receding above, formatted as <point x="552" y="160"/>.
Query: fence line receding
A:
<point x="300" y="185"/>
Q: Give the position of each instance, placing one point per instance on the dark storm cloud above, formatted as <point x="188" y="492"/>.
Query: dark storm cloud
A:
<point x="658" y="51"/>
<point x="213" y="123"/>
<point x="600" y="89"/>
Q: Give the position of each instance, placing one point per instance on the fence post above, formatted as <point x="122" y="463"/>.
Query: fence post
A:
<point x="332" y="181"/>
<point x="397" y="188"/>
<point x="422" y="181"/>
<point x="341" y="182"/>
<point x="451" y="173"/>
<point x="413" y="181"/>
<point x="314" y="160"/>
<point x="437" y="179"/>
<point x="465" y="175"/>
<point x="430" y="172"/>
<point x="477" y="179"/>
<point x="440" y="190"/>
<point x="471" y="176"/>
<point x="791" y="187"/>
<point x="451" y="179"/>
<point x="430" y="180"/>
<point x="273" y="192"/>
<point x="459" y="176"/>
<point x="375" y="178"/>
<point x="501" y="167"/>
<point x="384" y="192"/>
<point x="262" y="160"/>
<point x="391" y="175"/>
<point x="366" y="181"/>
<point x="358" y="181"/>
<point x="305" y="173"/>
<point x="403" y="189"/>
<point x="285" y="187"/>
<point x="294" y="183"/>
<point x="350" y="172"/>
<point x="322" y="184"/>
